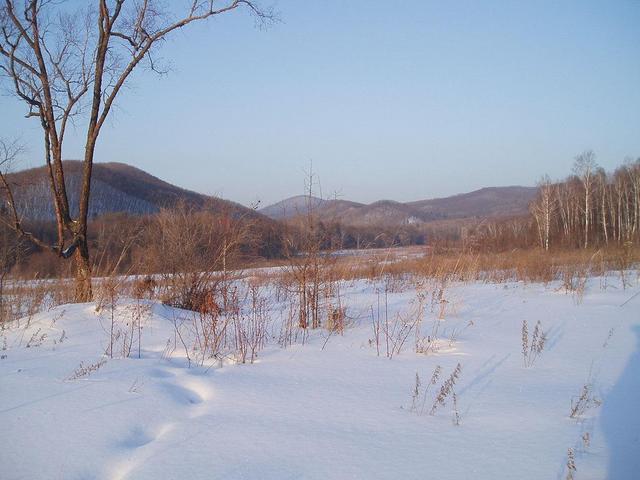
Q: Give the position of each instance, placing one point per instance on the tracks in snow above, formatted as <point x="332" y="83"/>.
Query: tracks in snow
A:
<point x="189" y="391"/>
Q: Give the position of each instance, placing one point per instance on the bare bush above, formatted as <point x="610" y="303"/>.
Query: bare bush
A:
<point x="205" y="329"/>
<point x="194" y="251"/>
<point x="392" y="333"/>
<point x="144" y="287"/>
<point x="125" y="320"/>
<point x="250" y="326"/>
<point x="574" y="280"/>
<point x="237" y="332"/>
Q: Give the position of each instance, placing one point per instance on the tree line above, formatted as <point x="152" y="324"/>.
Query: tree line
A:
<point x="589" y="208"/>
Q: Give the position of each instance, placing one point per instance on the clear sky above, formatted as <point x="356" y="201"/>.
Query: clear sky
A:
<point x="402" y="99"/>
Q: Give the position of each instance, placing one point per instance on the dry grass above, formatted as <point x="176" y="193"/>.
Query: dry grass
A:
<point x="583" y="402"/>
<point x="571" y="464"/>
<point x="22" y="299"/>
<point x="86" y="370"/>
<point x="531" y="351"/>
<point x="446" y="390"/>
<point x="397" y="266"/>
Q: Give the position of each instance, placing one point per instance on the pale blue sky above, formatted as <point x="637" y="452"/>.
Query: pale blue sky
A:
<point x="405" y="99"/>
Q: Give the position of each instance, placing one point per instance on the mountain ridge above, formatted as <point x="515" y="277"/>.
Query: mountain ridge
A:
<point x="486" y="202"/>
<point x="121" y="187"/>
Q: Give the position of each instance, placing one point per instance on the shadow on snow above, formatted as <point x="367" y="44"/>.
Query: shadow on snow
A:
<point x="620" y="420"/>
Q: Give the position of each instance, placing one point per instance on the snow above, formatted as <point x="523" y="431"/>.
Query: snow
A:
<point x="331" y="407"/>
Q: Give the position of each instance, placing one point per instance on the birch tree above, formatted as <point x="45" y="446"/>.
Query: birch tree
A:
<point x="542" y="210"/>
<point x="584" y="167"/>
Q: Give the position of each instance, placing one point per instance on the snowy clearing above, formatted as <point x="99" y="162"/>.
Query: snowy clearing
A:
<point x="332" y="407"/>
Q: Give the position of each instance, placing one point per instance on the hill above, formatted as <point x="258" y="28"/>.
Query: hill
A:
<point x="489" y="202"/>
<point x="486" y="202"/>
<point x="115" y="188"/>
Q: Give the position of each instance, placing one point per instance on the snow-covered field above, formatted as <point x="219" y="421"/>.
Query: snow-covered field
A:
<point x="333" y="408"/>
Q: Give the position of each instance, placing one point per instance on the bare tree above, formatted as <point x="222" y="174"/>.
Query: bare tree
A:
<point x="603" y="190"/>
<point x="542" y="209"/>
<point x="309" y="265"/>
<point x="585" y="167"/>
<point x="69" y="66"/>
<point x="633" y="169"/>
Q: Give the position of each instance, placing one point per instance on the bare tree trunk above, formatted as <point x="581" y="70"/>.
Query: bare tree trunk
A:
<point x="586" y="217"/>
<point x="604" y="214"/>
<point x="83" y="291"/>
<point x="584" y="167"/>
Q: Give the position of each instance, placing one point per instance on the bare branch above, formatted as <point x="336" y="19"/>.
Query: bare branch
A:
<point x="8" y="154"/>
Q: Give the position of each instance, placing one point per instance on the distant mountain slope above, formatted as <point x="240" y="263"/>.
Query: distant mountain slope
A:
<point x="115" y="187"/>
<point x="118" y="187"/>
<point x="299" y="205"/>
<point x="383" y="212"/>
<point x="483" y="203"/>
<point x="292" y="206"/>
<point x="486" y="202"/>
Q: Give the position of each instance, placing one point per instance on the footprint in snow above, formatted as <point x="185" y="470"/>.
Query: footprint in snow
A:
<point x="138" y="437"/>
<point x="182" y="395"/>
<point x="161" y="373"/>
